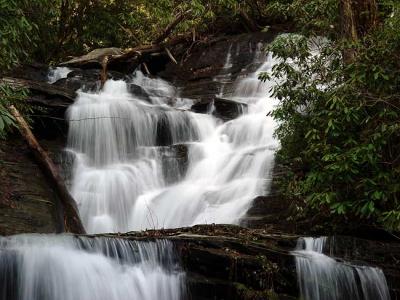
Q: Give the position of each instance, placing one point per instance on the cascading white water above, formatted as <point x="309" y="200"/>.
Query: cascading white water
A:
<point x="321" y="277"/>
<point x="108" y="132"/>
<point x="57" y="73"/>
<point x="119" y="181"/>
<point x="41" y="267"/>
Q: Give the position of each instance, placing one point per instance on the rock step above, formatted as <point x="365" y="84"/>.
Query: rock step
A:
<point x="224" y="109"/>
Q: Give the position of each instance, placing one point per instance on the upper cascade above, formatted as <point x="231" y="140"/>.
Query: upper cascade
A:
<point x="127" y="175"/>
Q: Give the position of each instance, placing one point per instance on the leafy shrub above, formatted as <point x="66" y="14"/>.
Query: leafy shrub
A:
<point x="338" y="123"/>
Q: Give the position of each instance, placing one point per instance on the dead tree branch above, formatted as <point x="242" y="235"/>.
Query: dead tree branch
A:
<point x="72" y="221"/>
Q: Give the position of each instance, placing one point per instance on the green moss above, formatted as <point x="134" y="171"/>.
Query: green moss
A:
<point x="246" y="293"/>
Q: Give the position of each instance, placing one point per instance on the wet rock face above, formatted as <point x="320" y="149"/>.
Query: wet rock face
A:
<point x="174" y="160"/>
<point x="205" y="69"/>
<point x="228" y="109"/>
<point x="34" y="71"/>
<point x="227" y="273"/>
<point x="177" y="159"/>
<point x="207" y="59"/>
<point x="139" y="92"/>
<point x="86" y="79"/>
<point x="270" y="209"/>
<point x="27" y="203"/>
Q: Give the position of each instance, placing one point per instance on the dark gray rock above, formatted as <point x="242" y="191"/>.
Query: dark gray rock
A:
<point x="86" y="79"/>
<point x="33" y="71"/>
<point x="224" y="109"/>
<point x="203" y="73"/>
<point x="138" y="92"/>
<point x="27" y="201"/>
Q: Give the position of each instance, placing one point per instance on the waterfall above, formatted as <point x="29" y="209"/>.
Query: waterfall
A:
<point x="115" y="137"/>
<point x="321" y="277"/>
<point x="121" y="179"/>
<point x="43" y="267"/>
<point x="142" y="159"/>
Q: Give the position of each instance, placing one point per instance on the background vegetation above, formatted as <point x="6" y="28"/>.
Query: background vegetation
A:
<point x="68" y="27"/>
<point x="339" y="114"/>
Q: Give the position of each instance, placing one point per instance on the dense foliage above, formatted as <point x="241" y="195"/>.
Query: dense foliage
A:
<point x="16" y="40"/>
<point x="339" y="120"/>
<point x="70" y="27"/>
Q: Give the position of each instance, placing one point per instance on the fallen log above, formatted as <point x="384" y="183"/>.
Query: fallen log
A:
<point x="94" y="56"/>
<point x="71" y="219"/>
<point x="106" y="58"/>
<point x="135" y="56"/>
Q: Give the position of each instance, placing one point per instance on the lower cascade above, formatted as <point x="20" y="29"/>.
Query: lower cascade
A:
<point x="321" y="277"/>
<point x="41" y="267"/>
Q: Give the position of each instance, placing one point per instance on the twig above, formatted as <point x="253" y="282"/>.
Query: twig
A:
<point x="170" y="55"/>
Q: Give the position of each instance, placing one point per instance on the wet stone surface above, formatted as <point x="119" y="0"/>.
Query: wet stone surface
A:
<point x="27" y="203"/>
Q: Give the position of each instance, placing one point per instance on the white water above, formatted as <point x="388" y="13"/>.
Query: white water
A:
<point x="120" y="181"/>
<point x="57" y="73"/>
<point x="321" y="277"/>
<point x="40" y="267"/>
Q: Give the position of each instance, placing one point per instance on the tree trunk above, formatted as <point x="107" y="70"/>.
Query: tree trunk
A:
<point x="72" y="221"/>
<point x="357" y="18"/>
<point x="251" y="25"/>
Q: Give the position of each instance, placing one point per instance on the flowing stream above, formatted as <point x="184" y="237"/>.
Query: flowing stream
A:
<point x="321" y="277"/>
